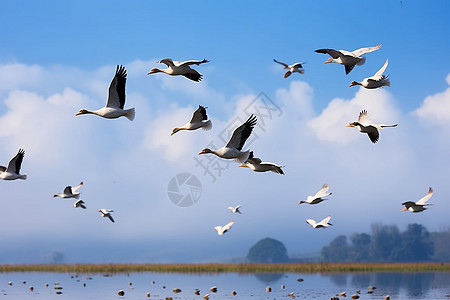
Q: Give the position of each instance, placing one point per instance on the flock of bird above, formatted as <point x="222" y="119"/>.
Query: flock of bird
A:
<point x="234" y="148"/>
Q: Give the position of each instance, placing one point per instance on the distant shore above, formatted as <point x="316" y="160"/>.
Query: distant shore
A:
<point x="230" y="268"/>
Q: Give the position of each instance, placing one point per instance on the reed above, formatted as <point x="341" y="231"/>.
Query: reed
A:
<point x="230" y="268"/>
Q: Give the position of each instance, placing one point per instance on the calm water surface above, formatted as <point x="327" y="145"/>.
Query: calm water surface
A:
<point x="401" y="286"/>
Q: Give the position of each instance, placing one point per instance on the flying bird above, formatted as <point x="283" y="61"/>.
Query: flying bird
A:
<point x="106" y="213"/>
<point x="235" y="209"/>
<point x="257" y="165"/>
<point x="418" y="206"/>
<point x="222" y="229"/>
<point x="80" y="203"/>
<point x="297" y="67"/>
<point x="180" y="68"/>
<point x="199" y="120"/>
<point x="376" y="81"/>
<point x="346" y="58"/>
<point x="12" y="172"/>
<point x="69" y="192"/>
<point x="233" y="149"/>
<point x="365" y="125"/>
<point x="116" y="99"/>
<point x="322" y="224"/>
<point x="318" y="197"/>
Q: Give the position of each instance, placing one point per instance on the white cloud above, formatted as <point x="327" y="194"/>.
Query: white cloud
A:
<point x="330" y="125"/>
<point x="436" y="108"/>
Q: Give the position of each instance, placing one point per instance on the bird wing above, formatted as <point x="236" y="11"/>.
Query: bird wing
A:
<point x="116" y="97"/>
<point x="190" y="62"/>
<point x="228" y="226"/>
<point x="363" y="51"/>
<point x="74" y="189"/>
<point x="374" y="135"/>
<point x="199" y="114"/>
<point x="326" y="220"/>
<point x="281" y="63"/>
<point x="379" y="75"/>
<point x="168" y="62"/>
<point x="426" y="197"/>
<point x="287" y="74"/>
<point x="193" y="75"/>
<point x="297" y="65"/>
<point x="16" y="162"/>
<point x="68" y="190"/>
<point x="333" y="53"/>
<point x="363" y="118"/>
<point x="322" y="192"/>
<point x="111" y="218"/>
<point x="241" y="134"/>
<point x="2" y="169"/>
<point x="311" y="222"/>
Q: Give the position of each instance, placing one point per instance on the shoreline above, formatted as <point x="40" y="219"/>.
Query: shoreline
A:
<point x="230" y="268"/>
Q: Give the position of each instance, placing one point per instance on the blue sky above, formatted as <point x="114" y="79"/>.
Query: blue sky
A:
<point x="56" y="58"/>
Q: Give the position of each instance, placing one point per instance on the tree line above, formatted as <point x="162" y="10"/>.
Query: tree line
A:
<point x="387" y="244"/>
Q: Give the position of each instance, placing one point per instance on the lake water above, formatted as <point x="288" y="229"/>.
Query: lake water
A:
<point x="400" y="286"/>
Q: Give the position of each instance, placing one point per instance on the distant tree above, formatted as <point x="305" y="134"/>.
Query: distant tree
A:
<point x="441" y="245"/>
<point x="360" y="248"/>
<point x="385" y="241"/>
<point x="268" y="251"/>
<point x="416" y="245"/>
<point x="336" y="251"/>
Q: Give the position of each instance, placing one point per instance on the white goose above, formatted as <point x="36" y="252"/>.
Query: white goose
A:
<point x="69" y="192"/>
<point x="106" y="213"/>
<point x="318" y="197"/>
<point x="79" y="203"/>
<point x="322" y="224"/>
<point x="257" y="165"/>
<point x="418" y="206"/>
<point x="12" y="172"/>
<point x="346" y="58"/>
<point x="222" y="229"/>
<point x="297" y="67"/>
<point x="235" y="209"/>
<point x="116" y="99"/>
<point x="180" y="68"/>
<point x="233" y="149"/>
<point x="376" y="81"/>
<point x="365" y="125"/>
<point x="199" y="120"/>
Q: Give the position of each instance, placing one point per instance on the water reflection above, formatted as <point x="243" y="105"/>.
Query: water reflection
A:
<point x="400" y="286"/>
<point x="269" y="277"/>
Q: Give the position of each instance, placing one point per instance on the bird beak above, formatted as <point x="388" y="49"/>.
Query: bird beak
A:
<point x="78" y="113"/>
<point x="349" y="125"/>
<point x="243" y="165"/>
<point x="201" y="152"/>
<point x="300" y="202"/>
<point x="404" y="208"/>
<point x="151" y="72"/>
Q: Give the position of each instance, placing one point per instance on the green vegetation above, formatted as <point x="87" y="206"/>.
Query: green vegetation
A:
<point x="228" y="268"/>
<point x="268" y="251"/>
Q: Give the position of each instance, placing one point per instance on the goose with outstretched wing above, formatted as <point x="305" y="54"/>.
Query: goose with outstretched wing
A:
<point x="233" y="149"/>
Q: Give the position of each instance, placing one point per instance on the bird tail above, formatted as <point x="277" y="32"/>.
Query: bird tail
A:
<point x="24" y="176"/>
<point x="130" y="114"/>
<point x="301" y="71"/>
<point x="361" y="61"/>
<point x="386" y="81"/>
<point x="243" y="156"/>
<point x="208" y="125"/>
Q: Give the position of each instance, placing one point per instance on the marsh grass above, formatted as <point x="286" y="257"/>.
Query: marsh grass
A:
<point x="230" y="268"/>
